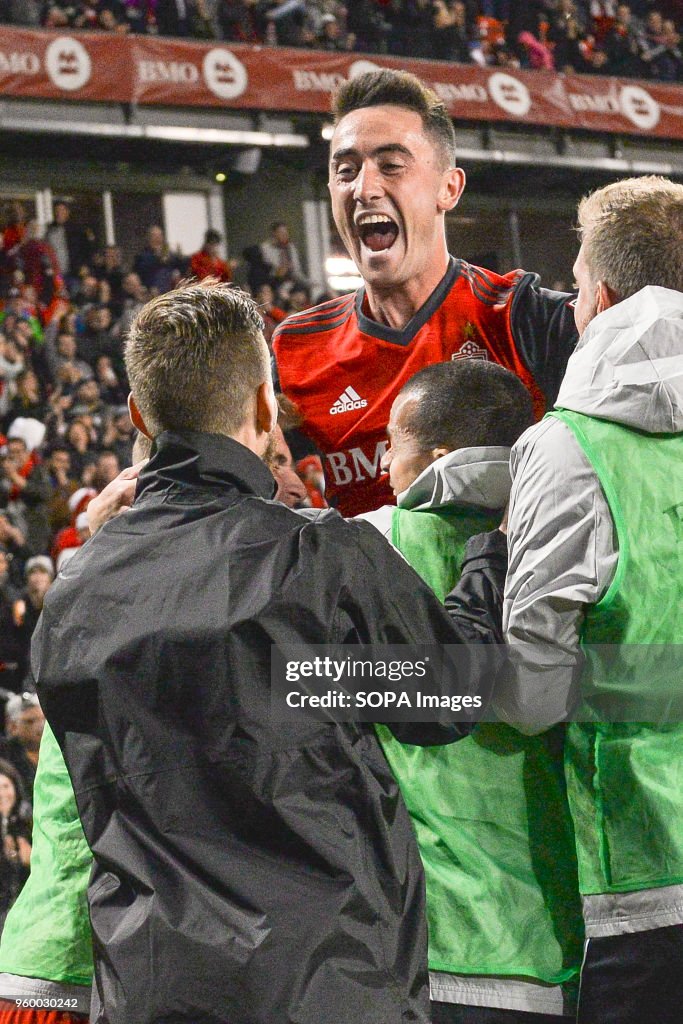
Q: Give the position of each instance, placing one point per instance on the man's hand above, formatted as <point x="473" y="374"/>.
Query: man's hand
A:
<point x="117" y="497"/>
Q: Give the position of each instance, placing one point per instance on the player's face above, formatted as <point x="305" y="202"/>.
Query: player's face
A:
<point x="586" y="307"/>
<point x="404" y="459"/>
<point x="390" y="189"/>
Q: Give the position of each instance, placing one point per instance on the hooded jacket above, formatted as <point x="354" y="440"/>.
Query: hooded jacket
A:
<point x="245" y="872"/>
<point x="505" y="927"/>
<point x="628" y="371"/>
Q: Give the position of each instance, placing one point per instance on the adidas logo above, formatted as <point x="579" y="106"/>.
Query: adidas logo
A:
<point x="347" y="401"/>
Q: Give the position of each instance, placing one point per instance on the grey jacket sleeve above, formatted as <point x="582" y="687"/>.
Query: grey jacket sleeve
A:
<point x="563" y="556"/>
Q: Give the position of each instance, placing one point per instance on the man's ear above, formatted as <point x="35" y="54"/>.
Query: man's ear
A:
<point x="266" y="407"/>
<point x="136" y="416"/>
<point x="452" y="187"/>
<point x="437" y="453"/>
<point x="606" y="297"/>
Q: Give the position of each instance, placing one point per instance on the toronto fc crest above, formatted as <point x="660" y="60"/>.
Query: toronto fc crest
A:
<point x="469" y="348"/>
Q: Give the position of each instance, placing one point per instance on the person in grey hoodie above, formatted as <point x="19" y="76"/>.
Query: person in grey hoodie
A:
<point x="593" y="596"/>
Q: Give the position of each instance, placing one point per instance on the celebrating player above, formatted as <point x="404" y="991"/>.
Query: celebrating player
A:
<point x="392" y="181"/>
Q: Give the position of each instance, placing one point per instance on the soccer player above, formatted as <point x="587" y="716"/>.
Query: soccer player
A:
<point x="392" y="181"/>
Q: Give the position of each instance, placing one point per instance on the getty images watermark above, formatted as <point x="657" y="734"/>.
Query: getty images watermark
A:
<point x="465" y="682"/>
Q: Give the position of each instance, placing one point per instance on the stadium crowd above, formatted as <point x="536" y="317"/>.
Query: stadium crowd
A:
<point x="636" y="39"/>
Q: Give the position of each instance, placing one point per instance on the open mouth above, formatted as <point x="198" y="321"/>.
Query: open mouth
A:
<point x="376" y="231"/>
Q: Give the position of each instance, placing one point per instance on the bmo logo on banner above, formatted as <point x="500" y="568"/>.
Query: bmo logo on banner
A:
<point x="510" y="94"/>
<point x="639" y="107"/>
<point x="224" y="74"/>
<point x="68" y="64"/>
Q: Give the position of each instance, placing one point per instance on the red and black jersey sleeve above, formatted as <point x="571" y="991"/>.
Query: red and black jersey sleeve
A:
<point x="544" y="332"/>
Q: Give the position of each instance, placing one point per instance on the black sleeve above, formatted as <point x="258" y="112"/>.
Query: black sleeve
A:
<point x="544" y="332"/>
<point x="397" y="607"/>
<point x="476" y="602"/>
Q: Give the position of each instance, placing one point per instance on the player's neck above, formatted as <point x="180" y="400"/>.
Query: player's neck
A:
<point x="395" y="306"/>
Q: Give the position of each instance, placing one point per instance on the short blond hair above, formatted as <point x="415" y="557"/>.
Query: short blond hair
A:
<point x="194" y="356"/>
<point x="632" y="233"/>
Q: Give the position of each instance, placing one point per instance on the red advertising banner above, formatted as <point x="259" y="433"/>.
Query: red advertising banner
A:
<point x="150" y="70"/>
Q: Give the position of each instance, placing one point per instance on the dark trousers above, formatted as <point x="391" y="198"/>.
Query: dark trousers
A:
<point x="455" y="1013"/>
<point x="633" y="979"/>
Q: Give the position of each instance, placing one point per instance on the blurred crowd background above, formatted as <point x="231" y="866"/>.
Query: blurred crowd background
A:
<point x="637" y="39"/>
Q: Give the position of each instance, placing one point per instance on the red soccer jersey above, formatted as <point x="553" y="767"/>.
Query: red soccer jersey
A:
<point x="343" y="370"/>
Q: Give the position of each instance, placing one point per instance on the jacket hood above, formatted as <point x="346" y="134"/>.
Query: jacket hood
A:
<point x="474" y="477"/>
<point x="628" y="365"/>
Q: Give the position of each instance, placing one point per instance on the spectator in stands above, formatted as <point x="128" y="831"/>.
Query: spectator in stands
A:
<point x="62" y="486"/>
<point x="15" y="227"/>
<point x="134" y="297"/>
<point x="40" y="574"/>
<point x="281" y="255"/>
<point x="28" y="400"/>
<point x="666" y="60"/>
<point x="10" y="678"/>
<point x="14" y="543"/>
<point x="97" y="338"/>
<point x="411" y="28"/>
<point x="71" y="244"/>
<point x="107" y="468"/>
<point x="71" y="537"/>
<point x="88" y="405"/>
<point x="39" y="265"/>
<point x="566" y="34"/>
<point x="112" y="390"/>
<point x="81" y="447"/>
<point x="365" y="18"/>
<point x="332" y="35"/>
<point x="450" y="38"/>
<point x="623" y="45"/>
<point x="156" y="266"/>
<point x="208" y="262"/>
<point x="66" y="369"/>
<point x="108" y="267"/>
<point x="15" y="836"/>
<point x="24" y="485"/>
<point x="242" y="21"/>
<point x="534" y="53"/>
<point x="86" y="291"/>
<point x="286" y="19"/>
<point x="11" y="365"/>
<point x="24" y="722"/>
<point x="119" y="435"/>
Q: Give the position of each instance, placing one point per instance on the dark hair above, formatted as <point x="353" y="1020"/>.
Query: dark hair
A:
<point x="8" y="769"/>
<point x="398" y="89"/>
<point x="467" y="404"/>
<point x="212" y="236"/>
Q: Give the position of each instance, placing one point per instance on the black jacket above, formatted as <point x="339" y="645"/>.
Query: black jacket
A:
<point x="244" y="873"/>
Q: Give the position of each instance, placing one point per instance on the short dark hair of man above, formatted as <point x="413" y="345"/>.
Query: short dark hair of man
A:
<point x="399" y="89"/>
<point x="467" y="404"/>
<point x="212" y="237"/>
<point x="194" y="356"/>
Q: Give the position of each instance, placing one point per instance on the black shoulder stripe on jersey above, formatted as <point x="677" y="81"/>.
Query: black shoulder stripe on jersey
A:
<point x="489" y="294"/>
<point x="326" y="311"/>
<point x="328" y="325"/>
<point x="318" y="318"/>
